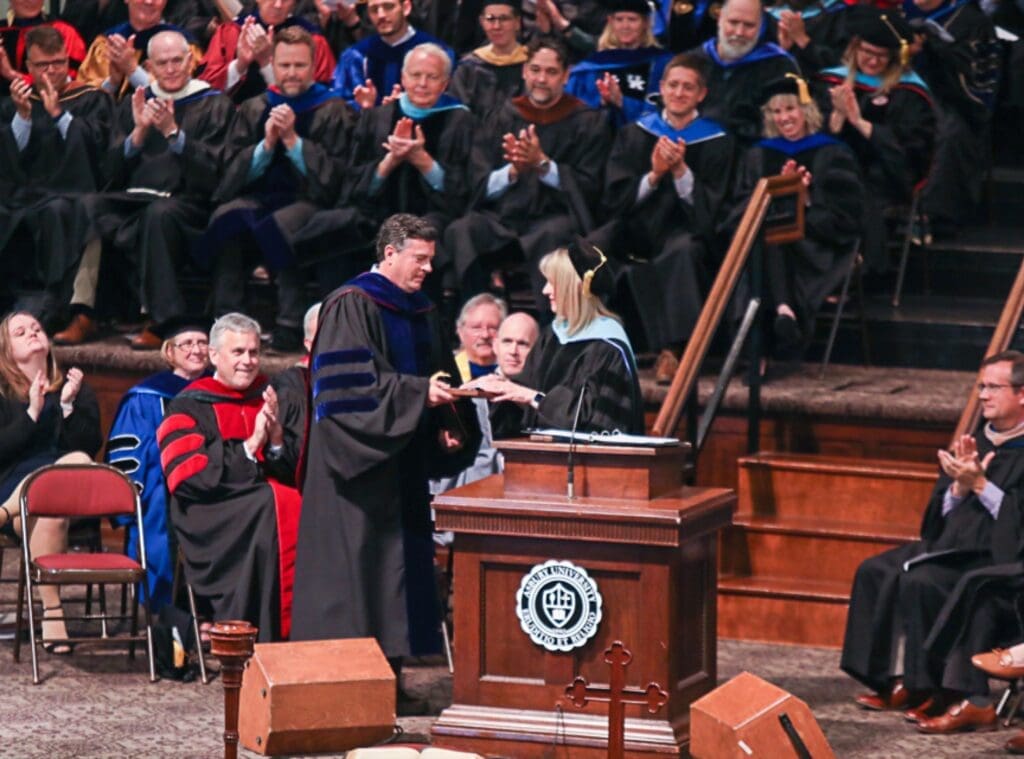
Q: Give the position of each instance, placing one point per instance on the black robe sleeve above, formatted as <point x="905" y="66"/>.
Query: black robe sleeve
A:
<point x="80" y="430"/>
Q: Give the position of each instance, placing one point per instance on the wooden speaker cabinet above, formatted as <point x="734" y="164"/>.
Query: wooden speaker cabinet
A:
<point x="741" y="719"/>
<point x="316" y="696"/>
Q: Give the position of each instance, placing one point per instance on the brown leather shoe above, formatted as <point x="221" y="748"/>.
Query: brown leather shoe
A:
<point x="897" y="698"/>
<point x="146" y="341"/>
<point x="999" y="664"/>
<point x="930" y="707"/>
<point x="665" y="367"/>
<point x="1016" y="744"/>
<point x="960" y="717"/>
<point x="81" y="329"/>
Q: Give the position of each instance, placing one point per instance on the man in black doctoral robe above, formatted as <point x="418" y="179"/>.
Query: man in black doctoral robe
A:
<point x="163" y="166"/>
<point x="536" y="173"/>
<point x="381" y="424"/>
<point x="665" y="183"/>
<point x="287" y="152"/>
<point x="53" y="136"/>
<point x="973" y="520"/>
<point x="230" y="468"/>
<point x="490" y="75"/>
<point x="408" y="156"/>
<point x="739" y="64"/>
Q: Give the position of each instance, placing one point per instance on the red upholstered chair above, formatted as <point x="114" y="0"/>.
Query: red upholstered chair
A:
<point x="83" y="491"/>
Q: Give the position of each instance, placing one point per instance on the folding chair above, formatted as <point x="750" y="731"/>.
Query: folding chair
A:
<point x="77" y="491"/>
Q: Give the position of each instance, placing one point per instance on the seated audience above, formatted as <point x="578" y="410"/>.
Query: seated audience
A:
<point x="477" y="327"/>
<point x="583" y="359"/>
<point x="623" y="74"/>
<point x="686" y="25"/>
<point x="972" y="520"/>
<point x="230" y="466"/>
<point x="114" y="60"/>
<point x="799" y="275"/>
<point x="25" y="16"/>
<point x="199" y="18"/>
<point x="408" y="156"/>
<point x="54" y="133"/>
<point x="536" y="171"/>
<point x="132" y="447"/>
<point x="164" y="163"/>
<point x="879" y="107"/>
<point x="286" y="155"/>
<point x="666" y="183"/>
<point x="815" y="32"/>
<point x="238" y="59"/>
<point x="46" y="417"/>
<point x="493" y="73"/>
<point x="369" y="72"/>
<point x="739" y="64"/>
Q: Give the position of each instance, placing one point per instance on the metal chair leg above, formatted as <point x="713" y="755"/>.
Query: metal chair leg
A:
<point x="905" y="250"/>
<point x="196" y="633"/>
<point x="19" y="615"/>
<point x="837" y="317"/>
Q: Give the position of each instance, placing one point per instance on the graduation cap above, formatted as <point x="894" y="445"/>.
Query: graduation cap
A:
<point x="641" y="7"/>
<point x="515" y="5"/>
<point x="171" y="328"/>
<point x="885" y="28"/>
<point x="591" y="264"/>
<point x="790" y="84"/>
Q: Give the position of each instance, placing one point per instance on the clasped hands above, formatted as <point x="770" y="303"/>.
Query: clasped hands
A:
<point x="366" y="94"/>
<point x="845" y="108"/>
<point x="155" y="113"/>
<point x="792" y="30"/>
<point x="280" y="127"/>
<point x="121" y="59"/>
<point x="405" y="144"/>
<point x="255" y="44"/>
<point x="667" y="156"/>
<point x="610" y="90"/>
<point x="21" y="92"/>
<point x="523" y="152"/>
<point x="965" y="467"/>
<point x="268" y="427"/>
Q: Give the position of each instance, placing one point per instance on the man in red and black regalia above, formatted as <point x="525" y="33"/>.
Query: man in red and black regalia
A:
<point x="230" y="466"/>
<point x="24" y="16"/>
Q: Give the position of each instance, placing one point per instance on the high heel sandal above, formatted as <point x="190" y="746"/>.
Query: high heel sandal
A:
<point x="56" y="647"/>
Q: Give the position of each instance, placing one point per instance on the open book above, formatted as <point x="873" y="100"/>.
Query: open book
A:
<point x="602" y="438"/>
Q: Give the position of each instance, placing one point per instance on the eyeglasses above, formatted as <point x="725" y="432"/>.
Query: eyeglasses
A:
<point x="992" y="386"/>
<point x="489" y="19"/>
<point x="56" y="63"/>
<point x="190" y="345"/>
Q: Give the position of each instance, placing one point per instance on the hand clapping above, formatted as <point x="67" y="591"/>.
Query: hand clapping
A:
<point x="964" y="466"/>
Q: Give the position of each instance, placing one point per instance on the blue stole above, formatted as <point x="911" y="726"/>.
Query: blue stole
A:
<point x="874" y="82"/>
<point x="795" y="147"/>
<point x="314" y="97"/>
<point x="290" y="21"/>
<point x="444" y="103"/>
<point x="382" y="63"/>
<point x="828" y="6"/>
<point x="164" y="385"/>
<point x="911" y="11"/>
<point x="607" y="60"/>
<point x="404" y="317"/>
<point x="698" y="130"/>
<point x="762" y="52"/>
<point x="142" y="38"/>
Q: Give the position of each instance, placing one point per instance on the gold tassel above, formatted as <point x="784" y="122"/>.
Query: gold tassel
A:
<point x="904" y="47"/>
<point x="803" y="93"/>
<point x="588" y="275"/>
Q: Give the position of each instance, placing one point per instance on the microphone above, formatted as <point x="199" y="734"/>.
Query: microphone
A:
<point x="570" y="484"/>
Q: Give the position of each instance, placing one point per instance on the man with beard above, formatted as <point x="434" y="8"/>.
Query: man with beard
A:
<point x="973" y="520"/>
<point x="369" y="71"/>
<point x="114" y="60"/>
<point x="164" y="164"/>
<point x="408" y="156"/>
<point x="537" y="169"/>
<point x="53" y="137"/>
<point x="738" y="65"/>
<point x="665" y="185"/>
<point x="381" y="423"/>
<point x="230" y="466"/>
<point x="238" y="59"/>
<point x="26" y="15"/>
<point x="287" y="150"/>
<point x="490" y="75"/>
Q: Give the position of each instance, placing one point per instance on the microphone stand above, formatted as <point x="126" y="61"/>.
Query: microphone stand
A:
<point x="570" y="484"/>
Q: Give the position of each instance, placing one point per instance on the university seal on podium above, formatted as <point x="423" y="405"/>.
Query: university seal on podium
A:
<point x="558" y="605"/>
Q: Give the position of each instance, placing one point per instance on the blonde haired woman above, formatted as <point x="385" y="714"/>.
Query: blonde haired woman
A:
<point x="46" y="417"/>
<point x="582" y="359"/>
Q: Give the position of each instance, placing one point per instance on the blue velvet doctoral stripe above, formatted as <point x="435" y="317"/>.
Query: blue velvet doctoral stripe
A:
<point x="609" y="60"/>
<point x="345" y="406"/>
<point x="164" y="384"/>
<point x="762" y="52"/>
<point x="698" y="130"/>
<point x="335" y="358"/>
<point x="314" y="97"/>
<point x="795" y="147"/>
<point x="290" y="21"/>
<point x="343" y="381"/>
<point x="405" y="322"/>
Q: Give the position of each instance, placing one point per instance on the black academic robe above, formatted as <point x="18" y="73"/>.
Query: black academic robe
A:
<point x="45" y="179"/>
<point x="484" y="87"/>
<point x="689" y="24"/>
<point x="826" y="25"/>
<point x="92" y="18"/>
<point x="157" y="201"/>
<point x="603" y="370"/>
<point x="896" y="158"/>
<point x="801" y="274"/>
<point x="365" y="555"/>
<point x="350" y="228"/>
<point x="664" y="245"/>
<point x="236" y="519"/>
<point x="530" y="216"/>
<point x="273" y="206"/>
<point x="888" y="601"/>
<point x="735" y="87"/>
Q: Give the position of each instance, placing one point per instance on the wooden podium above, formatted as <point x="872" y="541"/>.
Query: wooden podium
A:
<point x="649" y="545"/>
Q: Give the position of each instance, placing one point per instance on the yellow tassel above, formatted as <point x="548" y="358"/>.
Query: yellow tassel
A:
<point x="803" y="93"/>
<point x="588" y="275"/>
<point x="904" y="47"/>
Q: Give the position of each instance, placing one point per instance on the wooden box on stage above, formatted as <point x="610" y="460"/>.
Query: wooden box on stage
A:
<point x="741" y="719"/>
<point x="647" y="542"/>
<point x="315" y="696"/>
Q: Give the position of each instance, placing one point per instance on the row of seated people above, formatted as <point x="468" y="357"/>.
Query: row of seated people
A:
<point x="187" y="178"/>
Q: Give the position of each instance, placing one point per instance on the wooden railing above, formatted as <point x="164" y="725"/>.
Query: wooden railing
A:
<point x="1001" y="339"/>
<point x="725" y="282"/>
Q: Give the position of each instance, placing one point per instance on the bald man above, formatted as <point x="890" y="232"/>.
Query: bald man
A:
<point x="516" y="336"/>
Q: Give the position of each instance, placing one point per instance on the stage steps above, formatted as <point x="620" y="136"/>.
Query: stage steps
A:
<point x="803" y="524"/>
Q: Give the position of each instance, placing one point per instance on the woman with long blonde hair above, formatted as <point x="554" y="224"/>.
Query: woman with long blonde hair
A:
<point x="46" y="417"/>
<point x="583" y="359"/>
